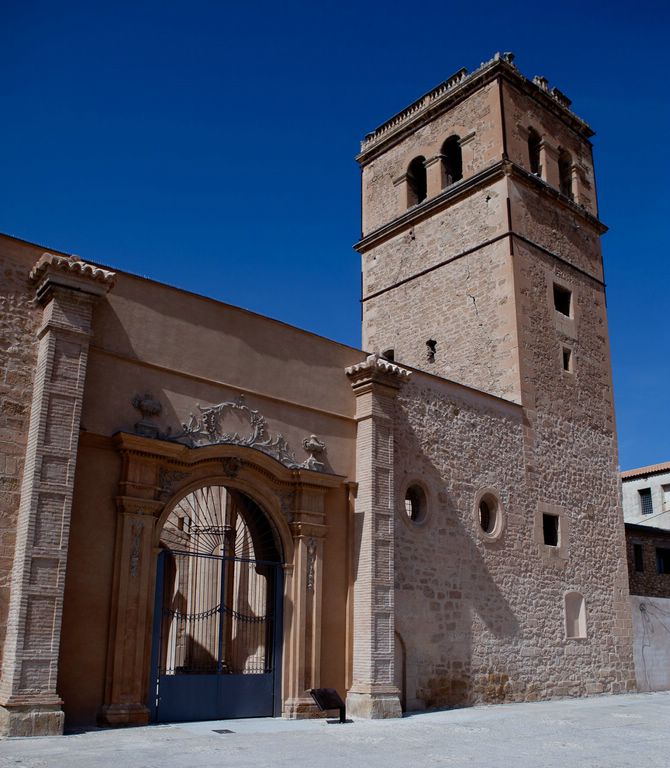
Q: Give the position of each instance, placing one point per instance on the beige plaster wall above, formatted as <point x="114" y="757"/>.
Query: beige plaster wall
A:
<point x="187" y="350"/>
<point x="88" y="584"/>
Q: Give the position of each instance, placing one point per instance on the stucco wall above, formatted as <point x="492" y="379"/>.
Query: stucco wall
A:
<point x="187" y="350"/>
<point x="632" y="509"/>
<point x="651" y="625"/>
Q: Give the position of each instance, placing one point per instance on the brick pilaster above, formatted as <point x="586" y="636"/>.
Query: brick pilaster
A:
<point x="373" y="692"/>
<point x="66" y="288"/>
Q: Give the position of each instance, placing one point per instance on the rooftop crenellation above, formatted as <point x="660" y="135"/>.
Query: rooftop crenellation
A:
<point x="459" y="80"/>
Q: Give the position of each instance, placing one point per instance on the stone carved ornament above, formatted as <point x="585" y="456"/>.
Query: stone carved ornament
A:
<point x="207" y="428"/>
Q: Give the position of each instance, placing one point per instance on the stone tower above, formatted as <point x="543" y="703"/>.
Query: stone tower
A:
<point x="482" y="266"/>
<point x="484" y="175"/>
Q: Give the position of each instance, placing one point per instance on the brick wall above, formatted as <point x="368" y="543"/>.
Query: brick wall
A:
<point x="18" y="351"/>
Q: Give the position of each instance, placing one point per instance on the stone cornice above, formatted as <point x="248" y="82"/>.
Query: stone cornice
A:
<point x="184" y="456"/>
<point x="458" y="87"/>
<point x="53" y="270"/>
<point x="378" y="370"/>
<point x="462" y="188"/>
<point x="431" y="206"/>
<point x="531" y="180"/>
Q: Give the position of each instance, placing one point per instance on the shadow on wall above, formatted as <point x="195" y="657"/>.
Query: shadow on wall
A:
<point x="446" y="597"/>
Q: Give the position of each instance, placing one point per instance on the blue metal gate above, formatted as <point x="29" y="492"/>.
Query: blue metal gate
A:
<point x="217" y="628"/>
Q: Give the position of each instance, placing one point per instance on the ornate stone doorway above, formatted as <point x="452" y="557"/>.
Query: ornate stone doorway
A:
<point x="184" y="502"/>
<point x="218" y="616"/>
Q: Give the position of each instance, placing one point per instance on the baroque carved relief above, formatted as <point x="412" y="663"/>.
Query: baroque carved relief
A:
<point x="208" y="428"/>
<point x="167" y="480"/>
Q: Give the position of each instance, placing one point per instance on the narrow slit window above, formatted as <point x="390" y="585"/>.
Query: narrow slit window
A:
<point x="565" y="173"/>
<point x="563" y="300"/>
<point x="567" y="359"/>
<point x="575" y="616"/>
<point x="534" y="152"/>
<point x="431" y="350"/>
<point x="646" y="503"/>
<point x="550" y="530"/>
<point x="638" y="559"/>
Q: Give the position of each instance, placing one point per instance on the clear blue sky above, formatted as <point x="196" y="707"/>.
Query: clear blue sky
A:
<point x="210" y="146"/>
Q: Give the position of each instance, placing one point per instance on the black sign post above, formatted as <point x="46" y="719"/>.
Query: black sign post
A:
<point x="329" y="698"/>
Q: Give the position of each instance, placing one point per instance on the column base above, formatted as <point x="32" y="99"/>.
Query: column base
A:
<point x="123" y="714"/>
<point x="373" y="706"/>
<point x="31" y="720"/>
<point x="301" y="709"/>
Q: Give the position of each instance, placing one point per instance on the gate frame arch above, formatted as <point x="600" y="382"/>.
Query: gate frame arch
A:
<point x="155" y="475"/>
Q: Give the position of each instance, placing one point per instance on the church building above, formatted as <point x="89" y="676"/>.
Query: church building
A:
<point x="205" y="513"/>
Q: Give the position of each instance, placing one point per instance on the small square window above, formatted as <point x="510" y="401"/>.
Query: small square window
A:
<point x="646" y="504"/>
<point x="550" y="529"/>
<point x="567" y="359"/>
<point x="662" y="560"/>
<point x="563" y="300"/>
<point x="637" y="558"/>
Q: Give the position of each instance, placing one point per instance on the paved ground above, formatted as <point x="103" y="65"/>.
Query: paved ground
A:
<point x="607" y="732"/>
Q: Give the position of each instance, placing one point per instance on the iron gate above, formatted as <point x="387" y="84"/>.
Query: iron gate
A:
<point x="216" y="638"/>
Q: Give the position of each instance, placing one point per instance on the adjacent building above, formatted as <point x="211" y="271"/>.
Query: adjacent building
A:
<point x="646" y="505"/>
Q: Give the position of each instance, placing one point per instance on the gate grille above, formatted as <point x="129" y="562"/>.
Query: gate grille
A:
<point x="217" y="634"/>
<point x="217" y="615"/>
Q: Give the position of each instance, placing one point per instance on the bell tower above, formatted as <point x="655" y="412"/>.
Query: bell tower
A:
<point x="478" y="183"/>
<point x="482" y="266"/>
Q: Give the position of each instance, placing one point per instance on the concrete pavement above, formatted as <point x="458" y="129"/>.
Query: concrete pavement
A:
<point x="599" y="732"/>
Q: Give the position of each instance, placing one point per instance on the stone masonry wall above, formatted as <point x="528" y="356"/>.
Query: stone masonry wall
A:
<point x="570" y="440"/>
<point x="18" y="351"/>
<point x="522" y="113"/>
<point x="466" y="307"/>
<point x="483" y="621"/>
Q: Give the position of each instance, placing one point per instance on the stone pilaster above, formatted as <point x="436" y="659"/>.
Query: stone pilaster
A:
<point x="434" y="175"/>
<point x="304" y="588"/>
<point x="549" y="163"/>
<point x="373" y="693"/>
<point x="66" y="289"/>
<point x="132" y="608"/>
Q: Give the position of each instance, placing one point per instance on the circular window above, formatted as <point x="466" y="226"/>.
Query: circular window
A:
<point x="415" y="503"/>
<point x="489" y="515"/>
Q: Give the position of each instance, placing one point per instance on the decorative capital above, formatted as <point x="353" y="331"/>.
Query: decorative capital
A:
<point x="53" y="270"/>
<point x="377" y="369"/>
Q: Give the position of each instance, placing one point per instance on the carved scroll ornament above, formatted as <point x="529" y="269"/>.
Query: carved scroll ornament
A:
<point x="207" y="428"/>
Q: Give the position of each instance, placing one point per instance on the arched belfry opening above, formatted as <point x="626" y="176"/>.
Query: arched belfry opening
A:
<point x="217" y="621"/>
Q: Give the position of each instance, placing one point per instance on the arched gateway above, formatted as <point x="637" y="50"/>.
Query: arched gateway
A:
<point x="218" y="616"/>
<point x="216" y="605"/>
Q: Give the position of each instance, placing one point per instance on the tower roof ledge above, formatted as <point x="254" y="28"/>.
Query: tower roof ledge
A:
<point x="459" y="85"/>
